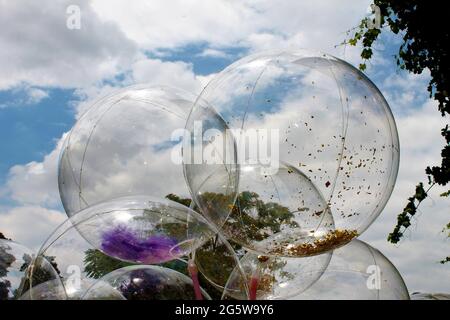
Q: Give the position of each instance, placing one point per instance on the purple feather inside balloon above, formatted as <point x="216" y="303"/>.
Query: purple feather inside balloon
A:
<point x="123" y="243"/>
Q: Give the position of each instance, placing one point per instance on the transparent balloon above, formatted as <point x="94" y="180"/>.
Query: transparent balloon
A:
<point x="358" y="271"/>
<point x="320" y="115"/>
<point x="73" y="288"/>
<point x="21" y="270"/>
<point x="143" y="283"/>
<point x="281" y="213"/>
<point x="141" y="229"/>
<point x="129" y="143"/>
<point x="275" y="278"/>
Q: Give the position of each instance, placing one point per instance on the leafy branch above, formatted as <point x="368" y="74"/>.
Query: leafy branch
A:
<point x="424" y="47"/>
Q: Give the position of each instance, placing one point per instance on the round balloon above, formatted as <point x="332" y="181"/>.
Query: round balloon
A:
<point x="358" y="271"/>
<point x="129" y="143"/>
<point x="320" y="115"/>
<point x="143" y="283"/>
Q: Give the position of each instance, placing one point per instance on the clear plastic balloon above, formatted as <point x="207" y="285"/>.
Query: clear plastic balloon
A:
<point x="21" y="270"/>
<point x="73" y="289"/>
<point x="430" y="296"/>
<point x="318" y="114"/>
<point x="141" y="229"/>
<point x="281" y="214"/>
<point x="143" y="283"/>
<point x="358" y="271"/>
<point x="275" y="278"/>
<point x="128" y="143"/>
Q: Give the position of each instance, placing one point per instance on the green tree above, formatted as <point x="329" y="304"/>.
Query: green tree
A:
<point x="424" y="45"/>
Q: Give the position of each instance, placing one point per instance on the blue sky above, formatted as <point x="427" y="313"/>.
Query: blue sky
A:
<point x="30" y="131"/>
<point x="46" y="82"/>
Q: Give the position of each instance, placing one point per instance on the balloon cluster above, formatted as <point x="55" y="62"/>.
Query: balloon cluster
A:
<point x="254" y="189"/>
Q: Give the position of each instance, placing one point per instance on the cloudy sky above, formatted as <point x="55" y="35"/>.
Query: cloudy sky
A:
<point x="50" y="73"/>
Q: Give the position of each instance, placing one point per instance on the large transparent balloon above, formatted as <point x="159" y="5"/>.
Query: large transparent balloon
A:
<point x="140" y="229"/>
<point x="358" y="271"/>
<point x="21" y="270"/>
<point x="129" y="143"/>
<point x="143" y="283"/>
<point x="320" y="115"/>
<point x="275" y="278"/>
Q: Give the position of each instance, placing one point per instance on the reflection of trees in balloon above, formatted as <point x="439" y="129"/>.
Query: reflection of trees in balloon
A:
<point x="6" y="260"/>
<point x="20" y="270"/>
<point x="254" y="219"/>
<point x="97" y="264"/>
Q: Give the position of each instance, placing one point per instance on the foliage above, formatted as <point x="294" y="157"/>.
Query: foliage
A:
<point x="97" y="264"/>
<point x="424" y="46"/>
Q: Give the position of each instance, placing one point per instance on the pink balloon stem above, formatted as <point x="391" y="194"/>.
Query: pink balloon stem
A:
<point x="194" y="276"/>
<point x="253" y="287"/>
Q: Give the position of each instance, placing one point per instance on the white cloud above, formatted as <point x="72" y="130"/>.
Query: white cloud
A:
<point x="41" y="50"/>
<point x="36" y="183"/>
<point x="36" y="95"/>
<point x="30" y="225"/>
<point x="258" y="24"/>
<point x="208" y="52"/>
<point x="26" y="96"/>
<point x="175" y="74"/>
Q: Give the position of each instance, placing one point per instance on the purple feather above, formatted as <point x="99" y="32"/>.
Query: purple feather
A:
<point x="124" y="244"/>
